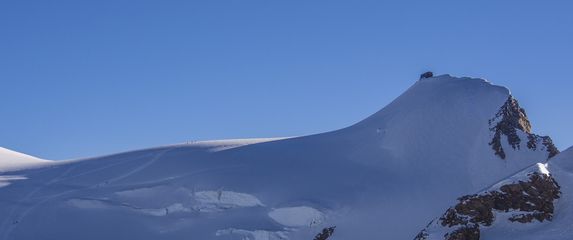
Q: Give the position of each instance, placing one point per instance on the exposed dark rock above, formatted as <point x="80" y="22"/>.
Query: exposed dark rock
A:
<point x="525" y="218"/>
<point x="549" y="146"/>
<point x="534" y="140"/>
<point x="325" y="234"/>
<point x="533" y="199"/>
<point x="423" y="235"/>
<point x="509" y="119"/>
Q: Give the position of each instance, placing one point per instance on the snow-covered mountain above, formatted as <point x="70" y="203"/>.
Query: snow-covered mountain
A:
<point x="385" y="177"/>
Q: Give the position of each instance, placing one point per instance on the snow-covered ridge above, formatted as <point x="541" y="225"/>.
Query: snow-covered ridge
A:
<point x="12" y="160"/>
<point x="525" y="197"/>
<point x="220" y="145"/>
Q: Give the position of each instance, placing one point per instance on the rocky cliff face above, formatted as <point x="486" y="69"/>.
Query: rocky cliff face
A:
<point x="521" y="201"/>
<point x="509" y="121"/>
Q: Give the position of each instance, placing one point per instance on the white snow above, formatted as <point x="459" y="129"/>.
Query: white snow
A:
<point x="220" y="200"/>
<point x="297" y="216"/>
<point x="88" y="203"/>
<point x="103" y="204"/>
<point x="253" y="235"/>
<point x="220" y="145"/>
<point x="12" y="160"/>
<point x="7" y="179"/>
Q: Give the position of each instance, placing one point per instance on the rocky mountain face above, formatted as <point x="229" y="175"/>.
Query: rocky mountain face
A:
<point x="529" y="197"/>
<point x="508" y="122"/>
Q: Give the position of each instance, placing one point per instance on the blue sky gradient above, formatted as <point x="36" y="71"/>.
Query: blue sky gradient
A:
<point x="85" y="78"/>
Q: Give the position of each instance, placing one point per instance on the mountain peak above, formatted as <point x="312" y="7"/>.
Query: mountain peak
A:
<point x="509" y="121"/>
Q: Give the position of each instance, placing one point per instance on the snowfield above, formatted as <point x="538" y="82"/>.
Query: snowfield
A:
<point x="385" y="177"/>
<point x="297" y="216"/>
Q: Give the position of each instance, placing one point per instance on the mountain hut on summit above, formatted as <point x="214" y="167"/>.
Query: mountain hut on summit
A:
<point x="426" y="75"/>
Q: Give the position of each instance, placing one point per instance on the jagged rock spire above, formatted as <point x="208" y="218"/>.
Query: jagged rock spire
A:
<point x="509" y="119"/>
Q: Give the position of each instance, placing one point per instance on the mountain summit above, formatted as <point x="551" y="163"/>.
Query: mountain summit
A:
<point x="383" y="177"/>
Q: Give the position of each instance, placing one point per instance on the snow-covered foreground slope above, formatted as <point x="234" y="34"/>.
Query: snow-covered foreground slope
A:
<point x="383" y="177"/>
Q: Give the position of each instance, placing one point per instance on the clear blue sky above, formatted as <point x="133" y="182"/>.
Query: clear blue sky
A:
<point x="84" y="78"/>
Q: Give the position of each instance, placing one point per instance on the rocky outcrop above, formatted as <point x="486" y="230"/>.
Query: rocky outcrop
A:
<point x="422" y="235"/>
<point x="325" y="234"/>
<point x="509" y="120"/>
<point x="546" y="143"/>
<point x="524" y="201"/>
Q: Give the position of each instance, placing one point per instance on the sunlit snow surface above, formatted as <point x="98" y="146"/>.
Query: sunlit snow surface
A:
<point x="11" y="161"/>
<point x="386" y="176"/>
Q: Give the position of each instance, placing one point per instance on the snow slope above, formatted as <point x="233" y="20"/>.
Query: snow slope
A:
<point x="11" y="160"/>
<point x="385" y="176"/>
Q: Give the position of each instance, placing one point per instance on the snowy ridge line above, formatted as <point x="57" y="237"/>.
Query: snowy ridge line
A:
<point x="191" y="143"/>
<point x="509" y="176"/>
<point x="11" y="161"/>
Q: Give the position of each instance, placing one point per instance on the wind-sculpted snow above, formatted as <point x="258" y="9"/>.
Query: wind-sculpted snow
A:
<point x="385" y="176"/>
<point x="297" y="216"/>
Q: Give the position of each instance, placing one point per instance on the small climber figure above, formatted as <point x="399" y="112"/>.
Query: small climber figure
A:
<point x="427" y="75"/>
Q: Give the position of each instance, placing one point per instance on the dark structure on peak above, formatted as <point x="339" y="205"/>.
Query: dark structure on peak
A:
<point x="426" y="75"/>
<point x="509" y="119"/>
